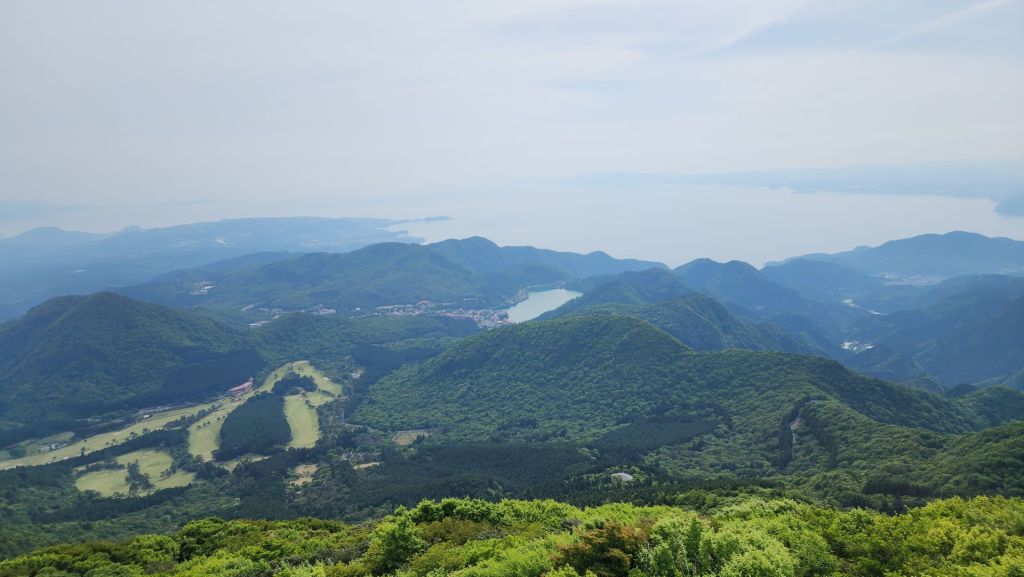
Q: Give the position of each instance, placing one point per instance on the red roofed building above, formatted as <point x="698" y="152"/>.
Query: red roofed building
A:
<point x="241" y="389"/>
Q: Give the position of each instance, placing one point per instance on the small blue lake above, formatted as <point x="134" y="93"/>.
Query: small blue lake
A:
<point x="540" y="302"/>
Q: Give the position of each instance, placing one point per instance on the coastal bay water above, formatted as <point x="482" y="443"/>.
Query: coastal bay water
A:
<point x="674" y="224"/>
<point x="671" y="224"/>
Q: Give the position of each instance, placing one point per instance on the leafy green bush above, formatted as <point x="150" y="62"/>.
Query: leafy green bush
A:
<point x="750" y="537"/>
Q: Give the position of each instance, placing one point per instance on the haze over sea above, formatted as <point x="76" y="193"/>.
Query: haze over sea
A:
<point x="668" y="223"/>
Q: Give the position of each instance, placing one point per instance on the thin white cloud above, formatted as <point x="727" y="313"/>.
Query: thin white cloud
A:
<point x="946" y="20"/>
<point x="749" y="20"/>
<point x="253" y="100"/>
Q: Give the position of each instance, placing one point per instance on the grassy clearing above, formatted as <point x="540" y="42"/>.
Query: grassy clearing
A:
<point x="317" y="398"/>
<point x="277" y="375"/>
<point x="107" y="483"/>
<point x="303" y="474"/>
<point x="325" y="384"/>
<point x="404" y="438"/>
<point x="37" y="446"/>
<point x="203" y="439"/>
<point x="152" y="463"/>
<point x="204" y="435"/>
<point x="300" y="410"/>
<point x="303" y="421"/>
<point x="38" y="456"/>
<point x="247" y="458"/>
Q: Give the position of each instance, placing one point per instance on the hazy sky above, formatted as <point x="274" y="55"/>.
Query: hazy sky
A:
<point x="384" y="103"/>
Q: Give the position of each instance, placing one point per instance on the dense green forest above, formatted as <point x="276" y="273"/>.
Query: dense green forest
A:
<point x="83" y="356"/>
<point x="549" y="409"/>
<point x="734" y="537"/>
<point x="472" y="273"/>
<point x="675" y="435"/>
<point x="328" y="341"/>
<point x="587" y="374"/>
<point x="257" y="427"/>
<point x="103" y="356"/>
<point x="699" y="322"/>
<point x="619" y="385"/>
<point x="293" y="383"/>
<point x="964" y="338"/>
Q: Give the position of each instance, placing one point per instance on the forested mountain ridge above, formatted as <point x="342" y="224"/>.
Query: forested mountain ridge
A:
<point x="821" y="280"/>
<point x="639" y="390"/>
<point x="482" y="255"/>
<point x="935" y="255"/>
<point x="48" y="262"/>
<point x="967" y="337"/>
<point x="741" y="284"/>
<point x="471" y="273"/>
<point x="699" y="322"/>
<point x="381" y="274"/>
<point x="593" y="379"/>
<point x="628" y="288"/>
<point x="930" y="346"/>
<point x="536" y="371"/>
<point x="874" y="311"/>
<point x="179" y="288"/>
<point x="79" y="356"/>
<point x="81" y="359"/>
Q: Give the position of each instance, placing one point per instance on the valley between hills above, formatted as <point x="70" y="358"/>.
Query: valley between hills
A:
<point x="375" y="411"/>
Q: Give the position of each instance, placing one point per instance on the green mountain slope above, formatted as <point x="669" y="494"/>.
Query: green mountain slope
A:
<point x="847" y="457"/>
<point x="186" y="288"/>
<point x="740" y="283"/>
<point x="376" y="344"/>
<point x="901" y="297"/>
<point x="45" y="263"/>
<point x="628" y="288"/>
<point x="990" y="346"/>
<point x="988" y="461"/>
<point x="580" y="379"/>
<point x="79" y="356"/>
<point x="703" y="324"/>
<point x="577" y="374"/>
<point x="821" y="280"/>
<point x="73" y="358"/>
<point x="595" y="371"/>
<point x="482" y="255"/>
<point x="968" y="337"/>
<point x="381" y="274"/>
<point x="935" y="255"/>
<point x="470" y="273"/>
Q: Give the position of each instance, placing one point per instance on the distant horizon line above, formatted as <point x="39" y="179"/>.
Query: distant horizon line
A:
<point x="424" y="242"/>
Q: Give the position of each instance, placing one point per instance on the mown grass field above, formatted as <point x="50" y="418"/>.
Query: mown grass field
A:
<point x="204" y="436"/>
<point x="247" y="458"/>
<point x="277" y="375"/>
<point x="325" y="384"/>
<point x="300" y="410"/>
<point x="403" y="438"/>
<point x="152" y="463"/>
<point x="303" y="421"/>
<point x="107" y="483"/>
<point x="97" y="442"/>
